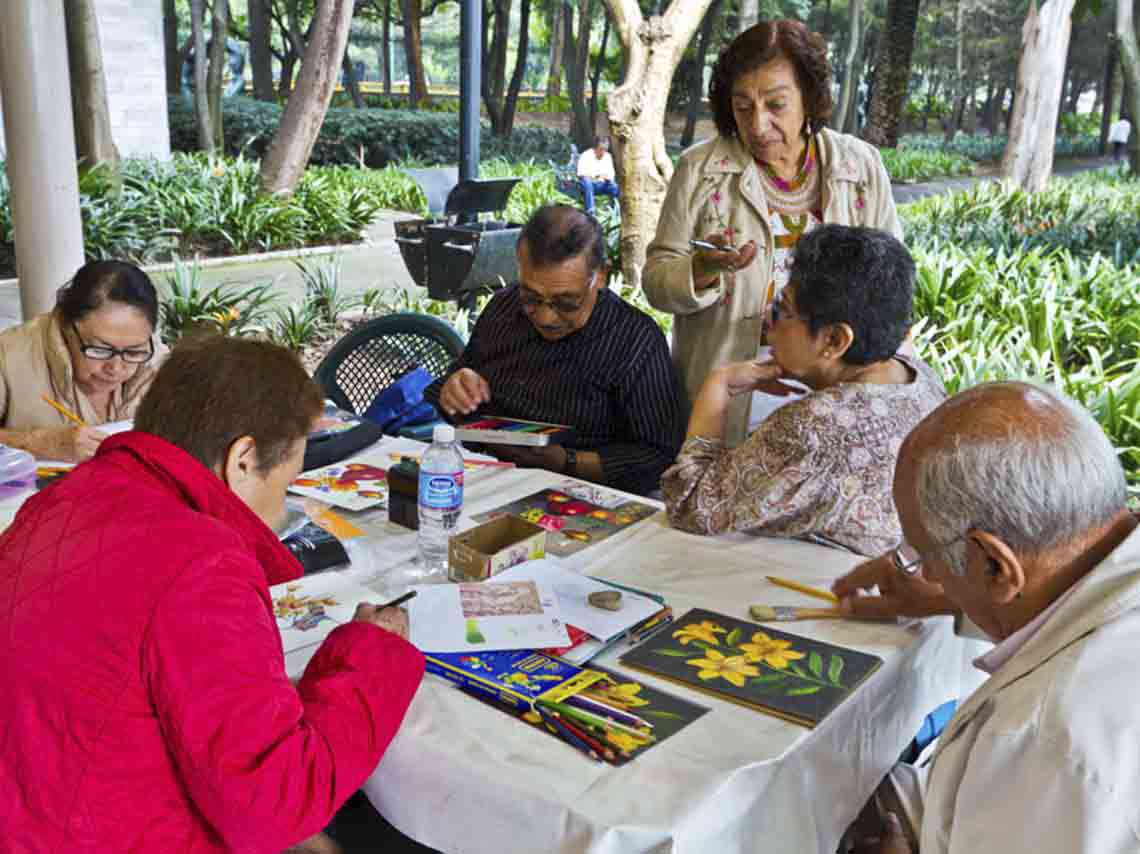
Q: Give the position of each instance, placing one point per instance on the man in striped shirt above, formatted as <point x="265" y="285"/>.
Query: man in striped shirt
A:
<point x="558" y="346"/>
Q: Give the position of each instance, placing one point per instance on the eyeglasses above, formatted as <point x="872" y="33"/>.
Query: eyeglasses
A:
<point x="908" y="561"/>
<point x="102" y="353"/>
<point x="562" y="305"/>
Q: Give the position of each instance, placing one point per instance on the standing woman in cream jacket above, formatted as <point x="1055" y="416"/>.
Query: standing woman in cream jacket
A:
<point x="771" y="175"/>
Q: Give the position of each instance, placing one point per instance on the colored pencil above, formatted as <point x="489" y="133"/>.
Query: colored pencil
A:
<point x="599" y="748"/>
<point x="398" y="601"/>
<point x="560" y="729"/>
<point x="589" y="718"/>
<point x="64" y="411"/>
<point x="786" y="613"/>
<point x="803" y="588"/>
<point x="597" y="707"/>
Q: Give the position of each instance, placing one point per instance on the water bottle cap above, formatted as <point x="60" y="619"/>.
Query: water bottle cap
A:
<point x="443" y="433"/>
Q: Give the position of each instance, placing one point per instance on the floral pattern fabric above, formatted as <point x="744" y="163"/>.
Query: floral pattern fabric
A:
<point x="820" y="467"/>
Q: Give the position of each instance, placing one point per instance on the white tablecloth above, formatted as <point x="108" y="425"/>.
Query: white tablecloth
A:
<point x="464" y="777"/>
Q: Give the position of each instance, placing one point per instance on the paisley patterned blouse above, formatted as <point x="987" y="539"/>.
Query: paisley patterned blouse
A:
<point x="819" y="468"/>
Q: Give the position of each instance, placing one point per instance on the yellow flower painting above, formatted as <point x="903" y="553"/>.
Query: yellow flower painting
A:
<point x="705" y="631"/>
<point x="777" y="654"/>
<point x="623" y="695"/>
<point x="734" y="669"/>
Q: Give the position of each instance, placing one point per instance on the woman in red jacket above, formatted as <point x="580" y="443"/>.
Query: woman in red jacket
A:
<point x="147" y="706"/>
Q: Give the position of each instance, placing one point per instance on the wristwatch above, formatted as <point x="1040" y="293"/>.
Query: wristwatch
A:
<point x="571" y="461"/>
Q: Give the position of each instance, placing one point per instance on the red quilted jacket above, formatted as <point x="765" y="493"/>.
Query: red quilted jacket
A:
<point x="146" y="704"/>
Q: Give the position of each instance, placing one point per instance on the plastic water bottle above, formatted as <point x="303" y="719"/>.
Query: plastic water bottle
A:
<point x="440" y="500"/>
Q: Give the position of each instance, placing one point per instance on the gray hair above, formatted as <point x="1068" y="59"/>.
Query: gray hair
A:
<point x="1033" y="489"/>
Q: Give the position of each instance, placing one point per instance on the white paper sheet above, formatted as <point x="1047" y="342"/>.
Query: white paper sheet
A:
<point x="353" y="484"/>
<point x="484" y="616"/>
<point x="572" y="589"/>
<point x="308" y="609"/>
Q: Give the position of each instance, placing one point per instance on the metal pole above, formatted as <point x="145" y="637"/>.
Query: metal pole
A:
<point x="470" y="77"/>
<point x="41" y="149"/>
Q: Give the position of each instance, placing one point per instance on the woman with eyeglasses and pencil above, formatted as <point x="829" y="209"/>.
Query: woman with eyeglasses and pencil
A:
<point x="87" y="362"/>
<point x="820" y="467"/>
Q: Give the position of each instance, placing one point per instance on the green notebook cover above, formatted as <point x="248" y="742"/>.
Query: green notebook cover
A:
<point x="793" y="677"/>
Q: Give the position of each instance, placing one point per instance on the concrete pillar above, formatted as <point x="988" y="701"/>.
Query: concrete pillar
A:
<point x="40" y="138"/>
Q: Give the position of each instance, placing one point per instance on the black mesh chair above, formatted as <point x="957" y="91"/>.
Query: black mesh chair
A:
<point x="373" y="355"/>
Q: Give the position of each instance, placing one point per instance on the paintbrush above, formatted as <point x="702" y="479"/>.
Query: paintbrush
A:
<point x="787" y="613"/>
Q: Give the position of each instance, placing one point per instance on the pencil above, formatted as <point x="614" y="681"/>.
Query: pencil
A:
<point x="64" y="411"/>
<point x="559" y="728"/>
<point x="803" y="588"/>
<point x="601" y="749"/>
<point x="398" y="601"/>
<point x="597" y="707"/>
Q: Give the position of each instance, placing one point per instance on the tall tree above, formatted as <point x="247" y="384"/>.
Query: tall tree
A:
<point x="961" y="81"/>
<point x="170" y="47"/>
<point x="653" y="48"/>
<point x="892" y="73"/>
<point x="386" y="47"/>
<point x="219" y="33"/>
<point x="577" y="57"/>
<point x="599" y="64"/>
<point x="1107" y="93"/>
<point x="1130" y="65"/>
<point x="412" y="11"/>
<point x="850" y="76"/>
<point x="93" y="141"/>
<point x="201" y="99"/>
<point x="261" y="50"/>
<point x="351" y="84"/>
<point x="288" y="153"/>
<point x="557" y="42"/>
<point x="519" y="74"/>
<point x="1028" y="158"/>
<point x="497" y="16"/>
<point x="696" y="93"/>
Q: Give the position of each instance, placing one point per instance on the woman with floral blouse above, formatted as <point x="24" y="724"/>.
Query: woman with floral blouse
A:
<point x="820" y="467"/>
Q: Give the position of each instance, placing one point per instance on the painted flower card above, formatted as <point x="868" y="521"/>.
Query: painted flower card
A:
<point x="792" y="677"/>
<point x="353" y="486"/>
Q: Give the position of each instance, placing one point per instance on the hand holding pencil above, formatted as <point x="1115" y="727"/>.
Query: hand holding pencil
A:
<point x="71" y="444"/>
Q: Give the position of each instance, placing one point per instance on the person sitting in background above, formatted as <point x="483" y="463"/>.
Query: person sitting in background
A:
<point x="596" y="175"/>
<point x="820" y="466"/>
<point x="559" y="347"/>
<point x="95" y="354"/>
<point x="1118" y="135"/>
<point x="148" y="707"/>
<point x="1014" y="509"/>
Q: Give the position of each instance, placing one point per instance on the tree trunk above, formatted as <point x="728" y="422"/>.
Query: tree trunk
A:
<point x="1130" y="66"/>
<point x="596" y="81"/>
<point x="652" y="50"/>
<point x="260" y="50"/>
<point x="696" y="94"/>
<point x="1107" y="94"/>
<point x="1028" y="159"/>
<point x="219" y="32"/>
<point x="170" y="48"/>
<point x="201" y="101"/>
<point x="412" y="11"/>
<point x="519" y="74"/>
<point x="576" y="55"/>
<point x="959" y="80"/>
<point x="494" y="81"/>
<point x="892" y="73"/>
<point x="847" y="92"/>
<point x="386" y="48"/>
<point x="749" y="14"/>
<point x="351" y="84"/>
<point x="557" y="42"/>
<point x="304" y="113"/>
<point x="93" y="142"/>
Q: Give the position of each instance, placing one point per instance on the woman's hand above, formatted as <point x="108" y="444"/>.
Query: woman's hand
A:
<point x="70" y="444"/>
<point x="709" y="264"/>
<point x="394" y="620"/>
<point x="743" y="377"/>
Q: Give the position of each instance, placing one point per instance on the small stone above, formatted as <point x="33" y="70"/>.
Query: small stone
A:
<point x="608" y="600"/>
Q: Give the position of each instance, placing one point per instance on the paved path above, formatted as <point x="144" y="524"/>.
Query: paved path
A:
<point x="377" y="262"/>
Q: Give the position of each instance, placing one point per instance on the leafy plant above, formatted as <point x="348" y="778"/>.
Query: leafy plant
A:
<point x="323" y="295"/>
<point x="190" y="307"/>
<point x="295" y="326"/>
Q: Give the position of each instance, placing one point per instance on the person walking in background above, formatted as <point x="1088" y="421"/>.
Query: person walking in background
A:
<point x="1118" y="135"/>
<point x="596" y="174"/>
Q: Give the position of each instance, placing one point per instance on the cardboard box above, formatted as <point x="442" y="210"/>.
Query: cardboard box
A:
<point x="490" y="548"/>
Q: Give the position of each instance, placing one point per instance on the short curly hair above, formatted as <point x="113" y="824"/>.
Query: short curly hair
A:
<point x="768" y="40"/>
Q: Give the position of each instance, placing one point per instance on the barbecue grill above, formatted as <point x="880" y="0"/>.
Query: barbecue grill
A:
<point x="452" y="253"/>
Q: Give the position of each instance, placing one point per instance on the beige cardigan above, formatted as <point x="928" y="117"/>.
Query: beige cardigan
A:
<point x="716" y="185"/>
<point x="34" y="361"/>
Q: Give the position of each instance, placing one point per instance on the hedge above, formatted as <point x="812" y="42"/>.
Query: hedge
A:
<point x="378" y="136"/>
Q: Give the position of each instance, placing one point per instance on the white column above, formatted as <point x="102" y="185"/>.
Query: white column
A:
<point x="41" y="149"/>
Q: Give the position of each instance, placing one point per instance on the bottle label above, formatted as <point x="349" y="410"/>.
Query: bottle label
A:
<point x="440" y="491"/>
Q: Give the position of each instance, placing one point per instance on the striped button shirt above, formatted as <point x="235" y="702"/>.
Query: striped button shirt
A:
<point x="612" y="380"/>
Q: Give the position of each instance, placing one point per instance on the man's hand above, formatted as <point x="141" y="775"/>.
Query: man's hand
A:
<point x="464" y="392"/>
<point x="709" y="264"/>
<point x="893" y="840"/>
<point x="72" y="444"/>
<point x="394" y="620"/>
<point x="549" y="457"/>
<point x="900" y="595"/>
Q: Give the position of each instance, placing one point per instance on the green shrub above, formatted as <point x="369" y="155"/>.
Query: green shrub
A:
<point x="190" y="307"/>
<point x="908" y="166"/>
<point x="374" y="137"/>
